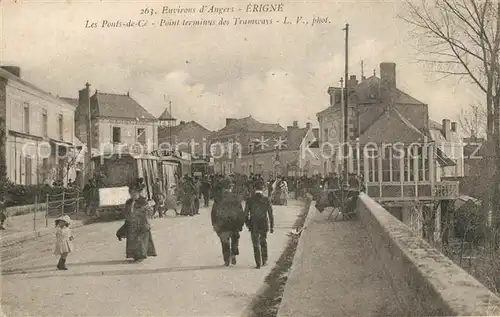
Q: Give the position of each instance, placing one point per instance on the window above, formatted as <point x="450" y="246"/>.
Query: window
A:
<point x="45" y="124"/>
<point x="411" y="156"/>
<point x="251" y="147"/>
<point x="386" y="165"/>
<point x="26" y="118"/>
<point x="338" y="97"/>
<point x="117" y="135"/>
<point x="27" y="171"/>
<point x="325" y="135"/>
<point x="60" y="127"/>
<point x="373" y="165"/>
<point x="141" y="135"/>
<point x="423" y="164"/>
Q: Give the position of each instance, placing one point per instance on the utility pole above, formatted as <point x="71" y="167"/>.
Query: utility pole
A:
<point x="89" y="135"/>
<point x="346" y="107"/>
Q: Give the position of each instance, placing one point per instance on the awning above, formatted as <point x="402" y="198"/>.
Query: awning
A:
<point x="443" y="159"/>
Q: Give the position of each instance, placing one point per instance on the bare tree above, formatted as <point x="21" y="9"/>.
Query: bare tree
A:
<point x="462" y="38"/>
<point x="473" y="121"/>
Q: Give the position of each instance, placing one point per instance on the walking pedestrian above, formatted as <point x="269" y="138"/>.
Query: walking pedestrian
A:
<point x="205" y="190"/>
<point x="259" y="221"/>
<point x="137" y="229"/>
<point x="64" y="244"/>
<point x="158" y="198"/>
<point x="228" y="219"/>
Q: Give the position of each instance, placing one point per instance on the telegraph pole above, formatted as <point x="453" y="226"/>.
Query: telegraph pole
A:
<point x="346" y="108"/>
<point x="89" y="134"/>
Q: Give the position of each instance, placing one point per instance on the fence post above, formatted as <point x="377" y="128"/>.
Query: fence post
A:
<point x="62" y="205"/>
<point x="46" y="210"/>
<point x="34" y="213"/>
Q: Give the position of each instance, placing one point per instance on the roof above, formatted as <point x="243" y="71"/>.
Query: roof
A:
<point x="166" y="115"/>
<point x="120" y="106"/>
<point x="378" y="132"/>
<point x="165" y="132"/>
<point x="9" y="76"/>
<point x="71" y="101"/>
<point x="249" y="124"/>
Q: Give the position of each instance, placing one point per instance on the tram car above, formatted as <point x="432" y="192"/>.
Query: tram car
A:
<point x="202" y="167"/>
<point x="115" y="172"/>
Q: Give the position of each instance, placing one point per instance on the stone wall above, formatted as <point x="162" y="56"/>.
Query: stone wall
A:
<point x="426" y="281"/>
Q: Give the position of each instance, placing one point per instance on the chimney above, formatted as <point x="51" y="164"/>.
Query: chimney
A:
<point x="182" y="122"/>
<point x="388" y="75"/>
<point x="295" y="124"/>
<point x="353" y="82"/>
<point x="14" y="70"/>
<point x="331" y="92"/>
<point x="453" y="127"/>
<point x="308" y="125"/>
<point x="229" y="121"/>
<point x="446" y="128"/>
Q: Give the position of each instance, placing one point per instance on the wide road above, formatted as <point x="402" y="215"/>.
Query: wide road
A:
<point x="187" y="278"/>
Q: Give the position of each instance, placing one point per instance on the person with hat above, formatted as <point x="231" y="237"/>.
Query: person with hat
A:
<point x="137" y="229"/>
<point x="228" y="219"/>
<point x="259" y="220"/>
<point x="64" y="240"/>
<point x="188" y="196"/>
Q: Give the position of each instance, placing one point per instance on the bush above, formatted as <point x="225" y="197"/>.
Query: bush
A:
<point x="18" y="195"/>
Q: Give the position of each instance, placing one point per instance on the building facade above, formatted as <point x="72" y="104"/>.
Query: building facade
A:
<point x="236" y="139"/>
<point x="39" y="138"/>
<point x="401" y="156"/>
<point x="119" y="123"/>
<point x="280" y="155"/>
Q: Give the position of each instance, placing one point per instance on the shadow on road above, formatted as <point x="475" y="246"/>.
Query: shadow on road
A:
<point x="44" y="268"/>
<point x="140" y="272"/>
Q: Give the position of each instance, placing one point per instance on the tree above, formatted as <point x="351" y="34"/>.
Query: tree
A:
<point x="462" y="38"/>
<point x="473" y="121"/>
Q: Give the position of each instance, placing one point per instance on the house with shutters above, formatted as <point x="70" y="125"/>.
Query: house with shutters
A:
<point x="37" y="131"/>
<point x="404" y="157"/>
<point x="118" y="122"/>
<point x="237" y="138"/>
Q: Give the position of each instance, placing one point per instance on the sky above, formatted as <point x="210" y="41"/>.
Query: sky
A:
<point x="276" y="73"/>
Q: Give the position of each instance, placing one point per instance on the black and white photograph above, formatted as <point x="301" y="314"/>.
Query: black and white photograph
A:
<point x="234" y="158"/>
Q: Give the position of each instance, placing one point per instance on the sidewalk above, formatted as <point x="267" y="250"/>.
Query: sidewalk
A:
<point x="333" y="273"/>
<point x="28" y="226"/>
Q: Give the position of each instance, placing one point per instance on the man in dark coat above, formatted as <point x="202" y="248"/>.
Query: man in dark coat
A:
<point x="205" y="190"/>
<point x="259" y="220"/>
<point x="228" y="219"/>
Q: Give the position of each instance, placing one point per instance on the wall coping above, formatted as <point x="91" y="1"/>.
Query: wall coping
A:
<point x="462" y="293"/>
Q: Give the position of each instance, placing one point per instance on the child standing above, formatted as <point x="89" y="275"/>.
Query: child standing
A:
<point x="64" y="240"/>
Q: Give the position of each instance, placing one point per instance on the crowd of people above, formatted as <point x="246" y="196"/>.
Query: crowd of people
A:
<point x="228" y="216"/>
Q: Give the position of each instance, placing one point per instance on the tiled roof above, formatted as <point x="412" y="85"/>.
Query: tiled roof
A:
<point x="120" y="106"/>
<point x="249" y="124"/>
<point x="166" y="115"/>
<point x="165" y="132"/>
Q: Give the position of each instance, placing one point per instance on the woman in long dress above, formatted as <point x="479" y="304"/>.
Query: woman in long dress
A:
<point x="137" y="229"/>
